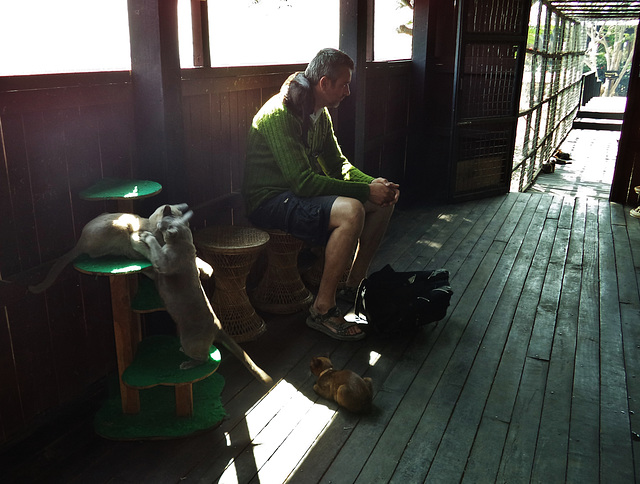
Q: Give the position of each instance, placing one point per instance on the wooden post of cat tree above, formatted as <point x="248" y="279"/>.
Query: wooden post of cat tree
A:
<point x="184" y="400"/>
<point x="126" y="328"/>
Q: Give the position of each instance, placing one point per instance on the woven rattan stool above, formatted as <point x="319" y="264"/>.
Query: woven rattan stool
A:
<point x="281" y="291"/>
<point x="231" y="250"/>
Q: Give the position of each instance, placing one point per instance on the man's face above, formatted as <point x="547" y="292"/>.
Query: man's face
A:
<point x="336" y="91"/>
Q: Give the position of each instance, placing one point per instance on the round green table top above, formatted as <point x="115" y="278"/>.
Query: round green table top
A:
<point x="109" y="265"/>
<point x="118" y="189"/>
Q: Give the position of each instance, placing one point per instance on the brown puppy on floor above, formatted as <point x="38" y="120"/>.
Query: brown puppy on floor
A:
<point x="344" y="387"/>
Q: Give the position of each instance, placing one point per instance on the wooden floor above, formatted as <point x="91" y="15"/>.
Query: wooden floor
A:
<point x="590" y="171"/>
<point x="533" y="376"/>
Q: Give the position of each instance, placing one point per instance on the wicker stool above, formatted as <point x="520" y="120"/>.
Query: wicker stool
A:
<point x="281" y="291"/>
<point x="232" y="250"/>
<point x="313" y="275"/>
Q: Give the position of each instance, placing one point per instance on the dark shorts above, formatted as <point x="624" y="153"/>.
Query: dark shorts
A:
<point x="306" y="218"/>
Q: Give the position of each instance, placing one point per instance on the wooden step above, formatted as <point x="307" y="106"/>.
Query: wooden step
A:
<point x="600" y="115"/>
<point x="597" y="124"/>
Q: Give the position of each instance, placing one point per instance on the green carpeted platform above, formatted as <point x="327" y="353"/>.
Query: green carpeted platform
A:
<point x="109" y="265"/>
<point x="157" y="363"/>
<point x="158" y="360"/>
<point x="117" y="189"/>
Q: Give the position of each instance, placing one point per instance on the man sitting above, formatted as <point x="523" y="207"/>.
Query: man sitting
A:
<point x="297" y="180"/>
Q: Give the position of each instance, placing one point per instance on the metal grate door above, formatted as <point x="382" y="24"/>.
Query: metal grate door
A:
<point x="489" y="65"/>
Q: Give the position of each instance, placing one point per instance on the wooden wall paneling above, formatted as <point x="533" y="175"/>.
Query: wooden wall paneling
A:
<point x="254" y="103"/>
<point x="61" y="96"/>
<point x="68" y="337"/>
<point x="82" y="149"/>
<point x="268" y="93"/>
<point x="44" y="133"/>
<point x="21" y="220"/>
<point x="398" y="104"/>
<point x="198" y="141"/>
<point x="374" y="123"/>
<point x="98" y="322"/>
<point x="395" y="148"/>
<point x="116" y="141"/>
<point x="377" y="94"/>
<point x="236" y="113"/>
<point x="9" y="263"/>
<point x="218" y="166"/>
<point x="245" y="116"/>
<point x="217" y="83"/>
<point x="11" y="418"/>
<point x="244" y="77"/>
<point x="33" y="83"/>
<point x="386" y="122"/>
<point x="67" y="329"/>
<point x="393" y="158"/>
<point x="222" y="146"/>
<point x="244" y="123"/>
<point x="33" y="355"/>
<point x="373" y="160"/>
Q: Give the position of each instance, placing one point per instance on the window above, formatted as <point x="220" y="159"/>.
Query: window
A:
<point x="392" y="29"/>
<point x="261" y="32"/>
<point x="185" y="34"/>
<point x="46" y="36"/>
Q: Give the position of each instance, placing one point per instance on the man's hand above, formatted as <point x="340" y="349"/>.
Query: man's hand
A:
<point x="383" y="192"/>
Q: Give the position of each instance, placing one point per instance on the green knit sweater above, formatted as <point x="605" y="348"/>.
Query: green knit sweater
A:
<point x="278" y="160"/>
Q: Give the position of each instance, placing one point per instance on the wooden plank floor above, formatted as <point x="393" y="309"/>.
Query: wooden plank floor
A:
<point x="591" y="170"/>
<point x="533" y="376"/>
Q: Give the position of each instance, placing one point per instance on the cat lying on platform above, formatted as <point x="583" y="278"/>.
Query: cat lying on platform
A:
<point x="183" y="295"/>
<point x="112" y="234"/>
<point x="344" y="387"/>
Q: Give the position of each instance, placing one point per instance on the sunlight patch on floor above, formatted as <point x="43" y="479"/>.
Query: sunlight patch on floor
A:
<point x="283" y="427"/>
<point x="292" y="453"/>
<point x="429" y="243"/>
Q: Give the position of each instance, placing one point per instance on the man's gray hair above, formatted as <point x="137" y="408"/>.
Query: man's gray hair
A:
<point x="328" y="62"/>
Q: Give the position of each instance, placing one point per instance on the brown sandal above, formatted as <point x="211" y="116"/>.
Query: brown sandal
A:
<point x="333" y="324"/>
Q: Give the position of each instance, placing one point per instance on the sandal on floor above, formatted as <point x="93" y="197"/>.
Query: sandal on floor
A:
<point x="635" y="212"/>
<point x="332" y="324"/>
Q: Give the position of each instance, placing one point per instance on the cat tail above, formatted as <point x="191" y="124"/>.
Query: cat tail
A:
<point x="55" y="270"/>
<point x="239" y="353"/>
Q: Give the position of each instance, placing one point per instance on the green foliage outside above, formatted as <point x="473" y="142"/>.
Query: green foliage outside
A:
<point x="609" y="53"/>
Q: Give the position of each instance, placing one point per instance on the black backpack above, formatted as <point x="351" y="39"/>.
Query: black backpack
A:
<point x="395" y="302"/>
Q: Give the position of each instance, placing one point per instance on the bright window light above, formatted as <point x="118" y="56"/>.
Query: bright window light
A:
<point x="262" y="32"/>
<point x="45" y="36"/>
<point x="185" y="34"/>
<point x="392" y="38"/>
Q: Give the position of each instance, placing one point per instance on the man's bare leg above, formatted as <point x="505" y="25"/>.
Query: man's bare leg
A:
<point x="347" y="221"/>
<point x="375" y="225"/>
